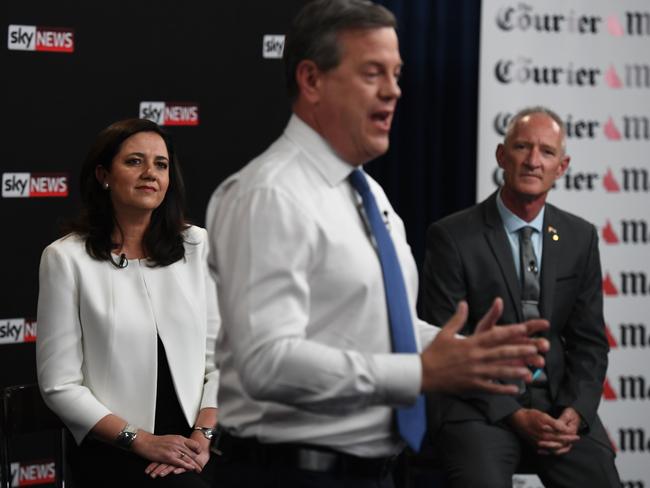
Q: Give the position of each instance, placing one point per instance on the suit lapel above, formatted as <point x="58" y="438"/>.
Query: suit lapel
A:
<point x="550" y="257"/>
<point x="500" y="245"/>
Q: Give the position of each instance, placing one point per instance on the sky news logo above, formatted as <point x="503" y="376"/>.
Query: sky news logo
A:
<point x="17" y="331"/>
<point x="35" y="473"/>
<point x="35" y="38"/>
<point x="34" y="185"/>
<point x="272" y="46"/>
<point x="170" y="113"/>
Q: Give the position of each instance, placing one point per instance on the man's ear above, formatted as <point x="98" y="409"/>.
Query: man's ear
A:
<point x="561" y="169"/>
<point x="499" y="153"/>
<point x="308" y="78"/>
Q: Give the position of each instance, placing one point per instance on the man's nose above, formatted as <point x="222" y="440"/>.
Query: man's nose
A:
<point x="391" y="88"/>
<point x="534" y="157"/>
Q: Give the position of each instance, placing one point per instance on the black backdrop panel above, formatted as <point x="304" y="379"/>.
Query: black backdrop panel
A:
<point x="208" y="54"/>
<point x="125" y="53"/>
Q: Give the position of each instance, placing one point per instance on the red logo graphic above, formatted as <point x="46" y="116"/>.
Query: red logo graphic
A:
<point x="614" y="26"/>
<point x="610" y="183"/>
<point x="609" y="288"/>
<point x="54" y="40"/>
<point x="611" y="77"/>
<point x="610" y="337"/>
<point x="609" y="236"/>
<point x="611" y="132"/>
<point x="608" y="391"/>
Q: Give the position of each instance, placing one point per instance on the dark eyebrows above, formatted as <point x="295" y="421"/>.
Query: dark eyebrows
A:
<point x="141" y="155"/>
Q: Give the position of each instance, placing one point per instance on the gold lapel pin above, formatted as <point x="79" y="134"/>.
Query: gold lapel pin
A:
<point x="553" y="231"/>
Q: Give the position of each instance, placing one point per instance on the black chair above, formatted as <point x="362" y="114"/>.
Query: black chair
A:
<point x="24" y="412"/>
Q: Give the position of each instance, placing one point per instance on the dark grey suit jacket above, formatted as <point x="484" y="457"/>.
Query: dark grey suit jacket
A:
<point x="469" y="257"/>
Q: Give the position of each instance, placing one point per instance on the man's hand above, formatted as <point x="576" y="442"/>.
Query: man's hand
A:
<point x="547" y="434"/>
<point x="454" y="364"/>
<point x="571" y="419"/>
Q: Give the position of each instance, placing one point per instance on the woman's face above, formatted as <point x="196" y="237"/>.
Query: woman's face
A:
<point x="139" y="175"/>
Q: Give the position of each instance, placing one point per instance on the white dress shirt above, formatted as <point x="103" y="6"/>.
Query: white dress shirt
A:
<point x="96" y="347"/>
<point x="305" y="350"/>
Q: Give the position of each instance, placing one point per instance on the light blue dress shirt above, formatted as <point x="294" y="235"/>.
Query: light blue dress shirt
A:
<point x="512" y="223"/>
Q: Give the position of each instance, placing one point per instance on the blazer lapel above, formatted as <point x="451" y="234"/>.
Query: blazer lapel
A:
<point x="500" y="245"/>
<point x="550" y="257"/>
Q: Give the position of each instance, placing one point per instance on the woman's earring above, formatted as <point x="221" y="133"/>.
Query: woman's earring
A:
<point x="105" y="186"/>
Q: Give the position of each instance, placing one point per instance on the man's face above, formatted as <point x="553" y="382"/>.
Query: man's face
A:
<point x="532" y="158"/>
<point x="357" y="99"/>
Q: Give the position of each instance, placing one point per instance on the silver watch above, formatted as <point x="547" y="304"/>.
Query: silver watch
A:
<point x="208" y="432"/>
<point x="126" y="436"/>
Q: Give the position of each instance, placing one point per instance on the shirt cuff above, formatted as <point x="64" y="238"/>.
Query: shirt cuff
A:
<point x="399" y="377"/>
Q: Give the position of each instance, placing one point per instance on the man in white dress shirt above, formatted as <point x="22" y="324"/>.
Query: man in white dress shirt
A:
<point x="309" y="377"/>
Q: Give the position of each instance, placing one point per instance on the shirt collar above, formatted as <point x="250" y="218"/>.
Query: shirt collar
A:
<point x="513" y="223"/>
<point x="331" y="167"/>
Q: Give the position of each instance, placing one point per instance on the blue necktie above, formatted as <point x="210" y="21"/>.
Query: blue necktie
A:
<point x="411" y="421"/>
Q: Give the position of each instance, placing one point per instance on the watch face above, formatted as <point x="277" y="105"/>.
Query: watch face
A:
<point x="207" y="432"/>
<point x="126" y="437"/>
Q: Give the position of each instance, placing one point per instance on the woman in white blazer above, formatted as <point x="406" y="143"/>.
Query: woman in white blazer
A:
<point x="128" y="319"/>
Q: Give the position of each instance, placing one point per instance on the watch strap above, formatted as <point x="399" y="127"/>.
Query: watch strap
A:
<point x="126" y="436"/>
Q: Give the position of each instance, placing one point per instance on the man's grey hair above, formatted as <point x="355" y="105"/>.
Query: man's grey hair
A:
<point x="538" y="109"/>
<point x="314" y="33"/>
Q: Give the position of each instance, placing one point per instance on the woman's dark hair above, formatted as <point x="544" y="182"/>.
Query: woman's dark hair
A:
<point x="163" y="240"/>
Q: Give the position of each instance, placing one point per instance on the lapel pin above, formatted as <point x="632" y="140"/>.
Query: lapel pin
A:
<point x="553" y="231"/>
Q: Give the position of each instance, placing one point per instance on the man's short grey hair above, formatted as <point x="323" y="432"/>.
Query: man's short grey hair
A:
<point x="314" y="33"/>
<point x="539" y="109"/>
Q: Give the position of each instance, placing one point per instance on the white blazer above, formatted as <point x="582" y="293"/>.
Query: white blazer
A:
<point x="97" y="327"/>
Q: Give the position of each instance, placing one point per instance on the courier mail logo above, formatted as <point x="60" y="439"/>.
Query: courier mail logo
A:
<point x="34" y="38"/>
<point x="17" y="331"/>
<point x="170" y="113"/>
<point x="35" y="473"/>
<point x="34" y="185"/>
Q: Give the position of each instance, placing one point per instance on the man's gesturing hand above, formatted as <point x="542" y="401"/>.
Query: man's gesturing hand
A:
<point x="454" y="364"/>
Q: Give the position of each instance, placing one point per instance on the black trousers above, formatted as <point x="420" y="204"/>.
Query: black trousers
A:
<point x="475" y="453"/>
<point x="234" y="474"/>
<point x="97" y="465"/>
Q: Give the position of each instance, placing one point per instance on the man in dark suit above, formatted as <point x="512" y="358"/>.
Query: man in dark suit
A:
<point x="551" y="270"/>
